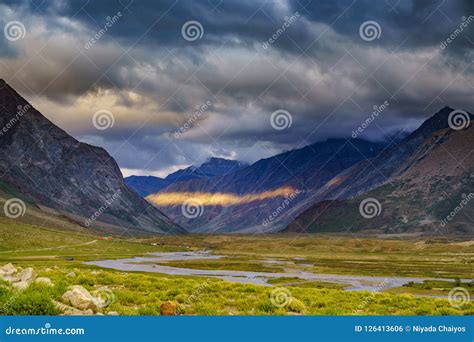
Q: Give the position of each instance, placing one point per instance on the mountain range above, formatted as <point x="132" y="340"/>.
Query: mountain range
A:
<point x="420" y="183"/>
<point x="416" y="181"/>
<point x="145" y="185"/>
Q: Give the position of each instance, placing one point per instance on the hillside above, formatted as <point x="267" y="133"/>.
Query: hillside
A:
<point x="42" y="164"/>
<point x="428" y="190"/>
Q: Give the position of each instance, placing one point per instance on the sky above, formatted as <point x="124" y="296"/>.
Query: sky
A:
<point x="162" y="85"/>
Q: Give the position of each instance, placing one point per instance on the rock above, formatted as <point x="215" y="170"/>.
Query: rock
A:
<point x="112" y="313"/>
<point x="168" y="308"/>
<point x="27" y="275"/>
<point x="69" y="310"/>
<point x="71" y="275"/>
<point x="8" y="269"/>
<point x="80" y="298"/>
<point x="10" y="279"/>
<point x="21" y="285"/>
<point x="44" y="280"/>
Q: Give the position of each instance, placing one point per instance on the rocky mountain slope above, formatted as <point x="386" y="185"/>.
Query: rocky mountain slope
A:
<point x="422" y="184"/>
<point x="247" y="200"/>
<point x="44" y="165"/>
<point x="145" y="185"/>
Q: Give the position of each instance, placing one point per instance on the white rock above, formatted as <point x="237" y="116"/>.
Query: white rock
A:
<point x="28" y="275"/>
<point x="80" y="298"/>
<point x="11" y="279"/>
<point x="8" y="269"/>
<point x="71" y="275"/>
<point x="21" y="285"/>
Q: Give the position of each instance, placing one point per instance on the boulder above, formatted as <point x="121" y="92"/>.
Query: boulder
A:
<point x="70" y="311"/>
<point x="27" y="275"/>
<point x="44" y="280"/>
<point x="71" y="275"/>
<point x="8" y="269"/>
<point x="10" y="279"/>
<point x="21" y="285"/>
<point x="168" y="308"/>
<point x="80" y="298"/>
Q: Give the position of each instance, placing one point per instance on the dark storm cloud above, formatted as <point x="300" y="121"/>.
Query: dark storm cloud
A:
<point x="319" y="69"/>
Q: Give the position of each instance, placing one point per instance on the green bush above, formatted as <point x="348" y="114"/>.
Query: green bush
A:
<point x="31" y="303"/>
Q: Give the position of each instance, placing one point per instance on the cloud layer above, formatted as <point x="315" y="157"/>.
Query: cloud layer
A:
<point x="254" y="57"/>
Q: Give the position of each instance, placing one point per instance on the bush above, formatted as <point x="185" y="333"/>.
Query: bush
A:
<point x="31" y="303"/>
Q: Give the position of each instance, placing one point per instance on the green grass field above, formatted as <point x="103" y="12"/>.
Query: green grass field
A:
<point x="54" y="253"/>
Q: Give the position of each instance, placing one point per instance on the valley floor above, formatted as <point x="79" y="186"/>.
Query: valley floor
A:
<point x="60" y="256"/>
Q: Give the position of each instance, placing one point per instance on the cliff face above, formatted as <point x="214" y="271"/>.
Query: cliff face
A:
<point x="75" y="179"/>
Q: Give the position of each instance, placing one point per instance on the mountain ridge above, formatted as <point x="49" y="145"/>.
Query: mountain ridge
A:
<point x="72" y="178"/>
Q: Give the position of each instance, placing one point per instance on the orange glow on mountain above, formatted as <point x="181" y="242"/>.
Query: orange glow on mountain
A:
<point x="218" y="198"/>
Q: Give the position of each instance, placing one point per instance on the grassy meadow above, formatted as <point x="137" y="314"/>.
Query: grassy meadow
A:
<point x="59" y="254"/>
